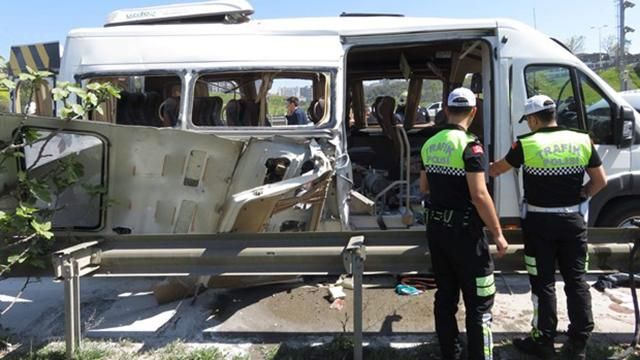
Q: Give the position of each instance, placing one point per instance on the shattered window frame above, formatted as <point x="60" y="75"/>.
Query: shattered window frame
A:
<point x="328" y="120"/>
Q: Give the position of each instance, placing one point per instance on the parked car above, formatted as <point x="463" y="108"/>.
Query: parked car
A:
<point x="632" y="97"/>
<point x="434" y="108"/>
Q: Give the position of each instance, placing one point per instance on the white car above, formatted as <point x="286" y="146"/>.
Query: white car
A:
<point x="434" y="108"/>
<point x="632" y="97"/>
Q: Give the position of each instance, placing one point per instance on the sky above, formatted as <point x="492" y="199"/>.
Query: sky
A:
<point x="33" y="21"/>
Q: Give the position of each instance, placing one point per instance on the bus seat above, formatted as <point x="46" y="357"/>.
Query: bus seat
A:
<point x="233" y="112"/>
<point x="251" y="113"/>
<point x="207" y="111"/>
<point x="130" y="108"/>
<point x="168" y="111"/>
<point x="152" y="101"/>
<point x="315" y="112"/>
<point x="386" y="117"/>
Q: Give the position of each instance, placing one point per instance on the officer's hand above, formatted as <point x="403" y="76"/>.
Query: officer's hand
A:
<point x="502" y="245"/>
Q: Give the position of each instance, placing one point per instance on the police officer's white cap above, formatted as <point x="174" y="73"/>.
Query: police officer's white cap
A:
<point x="461" y="97"/>
<point x="538" y="103"/>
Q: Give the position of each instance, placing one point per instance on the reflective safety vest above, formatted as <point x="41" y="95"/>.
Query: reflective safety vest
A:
<point x="443" y="152"/>
<point x="562" y="152"/>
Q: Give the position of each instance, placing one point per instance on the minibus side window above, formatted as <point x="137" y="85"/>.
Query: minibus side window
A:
<point x="556" y="82"/>
<point x="598" y="111"/>
<point x="261" y="99"/>
<point x="145" y="100"/>
<point x="429" y="102"/>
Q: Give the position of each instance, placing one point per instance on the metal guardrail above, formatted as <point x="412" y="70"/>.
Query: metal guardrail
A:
<point x="318" y="253"/>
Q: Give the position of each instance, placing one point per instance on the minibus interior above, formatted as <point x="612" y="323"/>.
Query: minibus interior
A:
<point x="386" y="131"/>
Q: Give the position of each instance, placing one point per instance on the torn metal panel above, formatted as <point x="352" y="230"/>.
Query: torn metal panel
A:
<point x="149" y="174"/>
<point x="176" y="181"/>
<point x="250" y="210"/>
<point x="252" y="166"/>
<point x="182" y="172"/>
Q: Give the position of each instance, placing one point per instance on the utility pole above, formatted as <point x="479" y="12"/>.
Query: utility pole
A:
<point x="623" y="30"/>
<point x="600" y="41"/>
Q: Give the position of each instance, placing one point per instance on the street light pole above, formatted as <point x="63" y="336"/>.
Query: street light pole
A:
<point x="623" y="29"/>
<point x="600" y="40"/>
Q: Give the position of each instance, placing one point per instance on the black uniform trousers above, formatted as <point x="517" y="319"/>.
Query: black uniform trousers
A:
<point x="461" y="261"/>
<point x="551" y="237"/>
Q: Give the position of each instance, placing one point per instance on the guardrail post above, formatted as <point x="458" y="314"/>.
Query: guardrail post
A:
<point x="354" y="256"/>
<point x="71" y="305"/>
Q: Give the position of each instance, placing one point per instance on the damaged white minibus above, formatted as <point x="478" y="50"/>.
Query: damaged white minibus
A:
<point x="197" y="143"/>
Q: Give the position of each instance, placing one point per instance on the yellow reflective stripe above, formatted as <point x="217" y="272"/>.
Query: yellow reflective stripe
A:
<point x="485" y="281"/>
<point x="487" y="337"/>
<point x="486" y="291"/>
<point x="586" y="263"/>
<point x="534" y="320"/>
<point x="42" y="52"/>
<point x="530" y="260"/>
<point x="13" y="63"/>
<point x="530" y="265"/>
<point x="485" y="285"/>
<point x="28" y="59"/>
<point x="532" y="270"/>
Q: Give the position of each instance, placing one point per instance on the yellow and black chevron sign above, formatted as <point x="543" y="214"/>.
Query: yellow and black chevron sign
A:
<point x="45" y="56"/>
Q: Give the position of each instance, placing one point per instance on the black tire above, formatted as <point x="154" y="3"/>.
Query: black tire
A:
<point x="620" y="214"/>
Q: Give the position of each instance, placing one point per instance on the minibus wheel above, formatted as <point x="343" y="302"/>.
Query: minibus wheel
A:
<point x="620" y="215"/>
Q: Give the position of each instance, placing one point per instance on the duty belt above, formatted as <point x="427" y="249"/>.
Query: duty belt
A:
<point x="554" y="210"/>
<point x="449" y="217"/>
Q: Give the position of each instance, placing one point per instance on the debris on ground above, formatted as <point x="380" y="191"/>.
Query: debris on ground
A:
<point x="407" y="290"/>
<point x="612" y="281"/>
<point x="173" y="289"/>
<point x="337" y="304"/>
<point x="234" y="320"/>
<point x="336" y="292"/>
<point x="422" y="282"/>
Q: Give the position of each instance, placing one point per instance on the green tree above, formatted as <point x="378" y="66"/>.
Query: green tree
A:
<point x="4" y="83"/>
<point x="26" y="230"/>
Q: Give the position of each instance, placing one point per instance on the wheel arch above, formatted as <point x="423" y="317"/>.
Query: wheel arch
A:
<point x="618" y="190"/>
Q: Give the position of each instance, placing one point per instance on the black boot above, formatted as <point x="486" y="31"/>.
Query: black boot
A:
<point x="458" y="351"/>
<point x="575" y="349"/>
<point x="539" y="347"/>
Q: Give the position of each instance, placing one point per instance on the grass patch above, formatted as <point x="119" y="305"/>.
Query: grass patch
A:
<point x="612" y="77"/>
<point x="177" y="350"/>
<point x="56" y="351"/>
<point x="270" y="353"/>
<point x="339" y="348"/>
<point x="123" y="350"/>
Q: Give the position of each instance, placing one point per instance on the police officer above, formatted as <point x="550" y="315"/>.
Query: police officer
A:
<point x="554" y="161"/>
<point x="454" y="175"/>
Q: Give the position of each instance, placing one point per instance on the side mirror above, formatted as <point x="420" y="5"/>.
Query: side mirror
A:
<point x="624" y="127"/>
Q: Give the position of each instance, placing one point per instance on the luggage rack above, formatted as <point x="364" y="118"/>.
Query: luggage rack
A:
<point x="220" y="11"/>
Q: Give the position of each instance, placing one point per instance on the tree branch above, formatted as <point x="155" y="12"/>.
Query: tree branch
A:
<point x="23" y="253"/>
<point x="17" y="297"/>
<point x="19" y="242"/>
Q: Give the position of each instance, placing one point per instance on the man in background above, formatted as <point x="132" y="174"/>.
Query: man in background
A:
<point x="295" y="115"/>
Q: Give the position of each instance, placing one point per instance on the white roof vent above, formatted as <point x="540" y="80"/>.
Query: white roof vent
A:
<point x="219" y="11"/>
